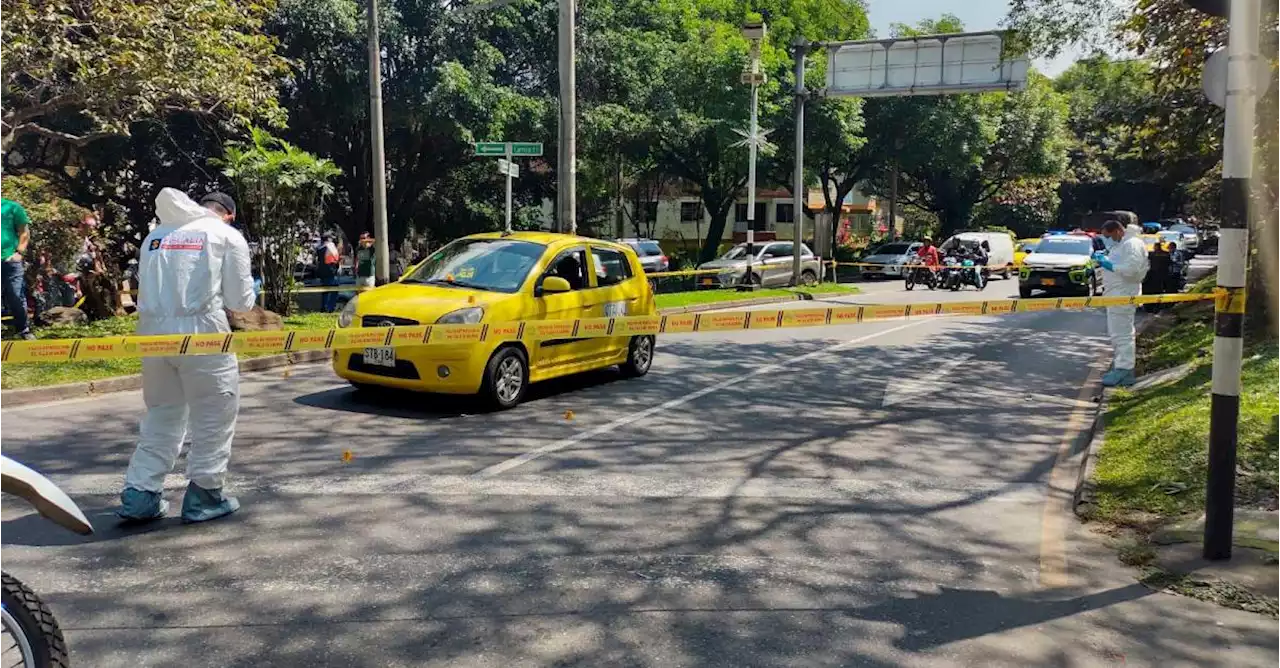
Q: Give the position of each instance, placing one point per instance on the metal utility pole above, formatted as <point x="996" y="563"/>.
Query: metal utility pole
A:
<point x="756" y="33"/>
<point x="893" y="201"/>
<point x="567" y="161"/>
<point x="1228" y="341"/>
<point x="382" y="259"/>
<point x="798" y="191"/>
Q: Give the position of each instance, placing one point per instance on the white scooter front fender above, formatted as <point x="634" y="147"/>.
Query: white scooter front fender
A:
<point x="41" y="493"/>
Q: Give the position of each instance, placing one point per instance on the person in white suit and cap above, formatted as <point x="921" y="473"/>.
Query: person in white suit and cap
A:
<point x="1124" y="265"/>
<point x="191" y="268"/>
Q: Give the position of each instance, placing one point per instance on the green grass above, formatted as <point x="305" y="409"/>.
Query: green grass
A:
<point x="1154" y="460"/>
<point x="40" y="374"/>
<point x="699" y="297"/>
<point x="1184" y="333"/>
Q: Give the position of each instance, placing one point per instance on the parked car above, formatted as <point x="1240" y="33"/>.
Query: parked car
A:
<point x="495" y="278"/>
<point x="770" y="266"/>
<point x="888" y="260"/>
<point x="1190" y="237"/>
<point x="650" y="253"/>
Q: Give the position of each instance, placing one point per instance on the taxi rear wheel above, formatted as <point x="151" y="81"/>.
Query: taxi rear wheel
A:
<point x="506" y="378"/>
<point x="639" y="357"/>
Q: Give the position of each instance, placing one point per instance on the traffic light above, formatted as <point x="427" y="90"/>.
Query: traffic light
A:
<point x="1211" y="7"/>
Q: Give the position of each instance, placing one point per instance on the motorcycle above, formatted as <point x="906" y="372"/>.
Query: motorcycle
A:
<point x="32" y="638"/>
<point x="957" y="272"/>
<point x="917" y="273"/>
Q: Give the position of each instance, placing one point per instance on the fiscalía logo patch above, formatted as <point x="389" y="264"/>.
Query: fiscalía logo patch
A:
<point x="155" y="244"/>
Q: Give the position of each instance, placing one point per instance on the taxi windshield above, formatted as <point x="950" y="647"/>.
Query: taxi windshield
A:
<point x="496" y="265"/>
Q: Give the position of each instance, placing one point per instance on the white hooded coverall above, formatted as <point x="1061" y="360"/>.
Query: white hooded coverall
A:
<point x="191" y="267"/>
<point x="1130" y="265"/>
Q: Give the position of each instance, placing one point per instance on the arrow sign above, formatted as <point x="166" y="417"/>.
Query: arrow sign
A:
<point x="491" y="148"/>
<point x="901" y="391"/>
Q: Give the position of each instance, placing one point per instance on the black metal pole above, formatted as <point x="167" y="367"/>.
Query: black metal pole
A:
<point x="1228" y="342"/>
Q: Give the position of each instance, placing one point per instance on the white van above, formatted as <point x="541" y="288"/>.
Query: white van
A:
<point x="999" y="258"/>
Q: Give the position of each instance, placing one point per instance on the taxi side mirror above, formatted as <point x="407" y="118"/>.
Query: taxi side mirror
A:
<point x="554" y="284"/>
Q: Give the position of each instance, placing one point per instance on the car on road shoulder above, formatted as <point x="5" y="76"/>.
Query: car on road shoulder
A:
<point x="494" y="278"/>
<point x="888" y="260"/>
<point x="1062" y="264"/>
<point x="652" y="258"/>
<point x="771" y="266"/>
<point x="1190" y="236"/>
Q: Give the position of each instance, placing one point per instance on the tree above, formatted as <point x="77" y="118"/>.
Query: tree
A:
<point x="449" y="81"/>
<point x="78" y="72"/>
<point x="956" y="152"/>
<point x="281" y="190"/>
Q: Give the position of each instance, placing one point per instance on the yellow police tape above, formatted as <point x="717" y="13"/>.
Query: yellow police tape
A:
<point x="534" y="330"/>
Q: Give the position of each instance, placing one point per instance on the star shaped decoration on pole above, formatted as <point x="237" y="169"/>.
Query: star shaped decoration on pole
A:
<point x="762" y="144"/>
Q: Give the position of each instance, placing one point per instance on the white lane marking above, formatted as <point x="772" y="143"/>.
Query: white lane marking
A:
<point x="507" y="465"/>
<point x="908" y="388"/>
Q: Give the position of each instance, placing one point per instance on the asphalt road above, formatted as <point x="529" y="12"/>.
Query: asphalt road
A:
<point x="889" y="494"/>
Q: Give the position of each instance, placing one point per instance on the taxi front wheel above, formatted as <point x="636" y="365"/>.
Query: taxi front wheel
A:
<point x="506" y="378"/>
<point x="639" y="357"/>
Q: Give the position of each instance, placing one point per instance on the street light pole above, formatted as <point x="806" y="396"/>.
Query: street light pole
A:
<point x="382" y="261"/>
<point x="1228" y="341"/>
<point x="798" y="191"/>
<point x="756" y="33"/>
<point x="567" y="160"/>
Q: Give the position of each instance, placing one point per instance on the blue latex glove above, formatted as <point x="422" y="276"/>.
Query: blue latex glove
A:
<point x="1106" y="264"/>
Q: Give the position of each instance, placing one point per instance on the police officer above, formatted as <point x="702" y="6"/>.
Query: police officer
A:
<point x="191" y="267"/>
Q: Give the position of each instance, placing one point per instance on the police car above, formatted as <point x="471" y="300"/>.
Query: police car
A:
<point x="1061" y="264"/>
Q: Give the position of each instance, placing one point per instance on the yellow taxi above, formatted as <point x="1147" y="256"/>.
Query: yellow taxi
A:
<point x="1022" y="248"/>
<point x="496" y="277"/>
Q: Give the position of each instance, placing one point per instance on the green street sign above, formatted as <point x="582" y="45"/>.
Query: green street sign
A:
<point x="526" y="148"/>
<point x="501" y="148"/>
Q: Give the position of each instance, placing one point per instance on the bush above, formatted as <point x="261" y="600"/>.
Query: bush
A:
<point x="281" y="189"/>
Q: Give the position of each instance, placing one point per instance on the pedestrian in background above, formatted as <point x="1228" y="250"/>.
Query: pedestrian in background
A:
<point x="15" y="234"/>
<point x="327" y="261"/>
<point x="364" y="261"/>
<point x="1124" y="266"/>
<point x="192" y="268"/>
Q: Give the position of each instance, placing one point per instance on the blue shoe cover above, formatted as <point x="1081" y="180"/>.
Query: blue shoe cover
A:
<point x="139" y="506"/>
<point x="201" y="505"/>
<point x="1118" y="378"/>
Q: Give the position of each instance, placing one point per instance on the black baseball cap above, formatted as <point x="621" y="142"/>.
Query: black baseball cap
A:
<point x="221" y="199"/>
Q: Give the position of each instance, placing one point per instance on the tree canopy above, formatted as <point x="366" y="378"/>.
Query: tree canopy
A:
<point x="77" y="72"/>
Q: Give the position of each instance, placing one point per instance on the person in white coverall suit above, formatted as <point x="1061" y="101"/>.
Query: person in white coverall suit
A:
<point x="1124" y="265"/>
<point x="193" y="265"/>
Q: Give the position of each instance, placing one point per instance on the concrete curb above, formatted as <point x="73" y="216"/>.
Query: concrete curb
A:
<point x="38" y="395"/>
<point x="1083" y="495"/>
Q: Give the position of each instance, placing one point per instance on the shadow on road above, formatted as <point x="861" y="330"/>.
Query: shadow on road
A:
<point x="920" y="567"/>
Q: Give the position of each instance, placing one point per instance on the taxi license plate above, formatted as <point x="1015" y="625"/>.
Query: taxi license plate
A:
<point x="380" y="356"/>
<point x="1048" y="281"/>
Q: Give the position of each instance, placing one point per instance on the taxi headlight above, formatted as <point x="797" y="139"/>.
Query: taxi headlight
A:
<point x="463" y="316"/>
<point x="348" y="313"/>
